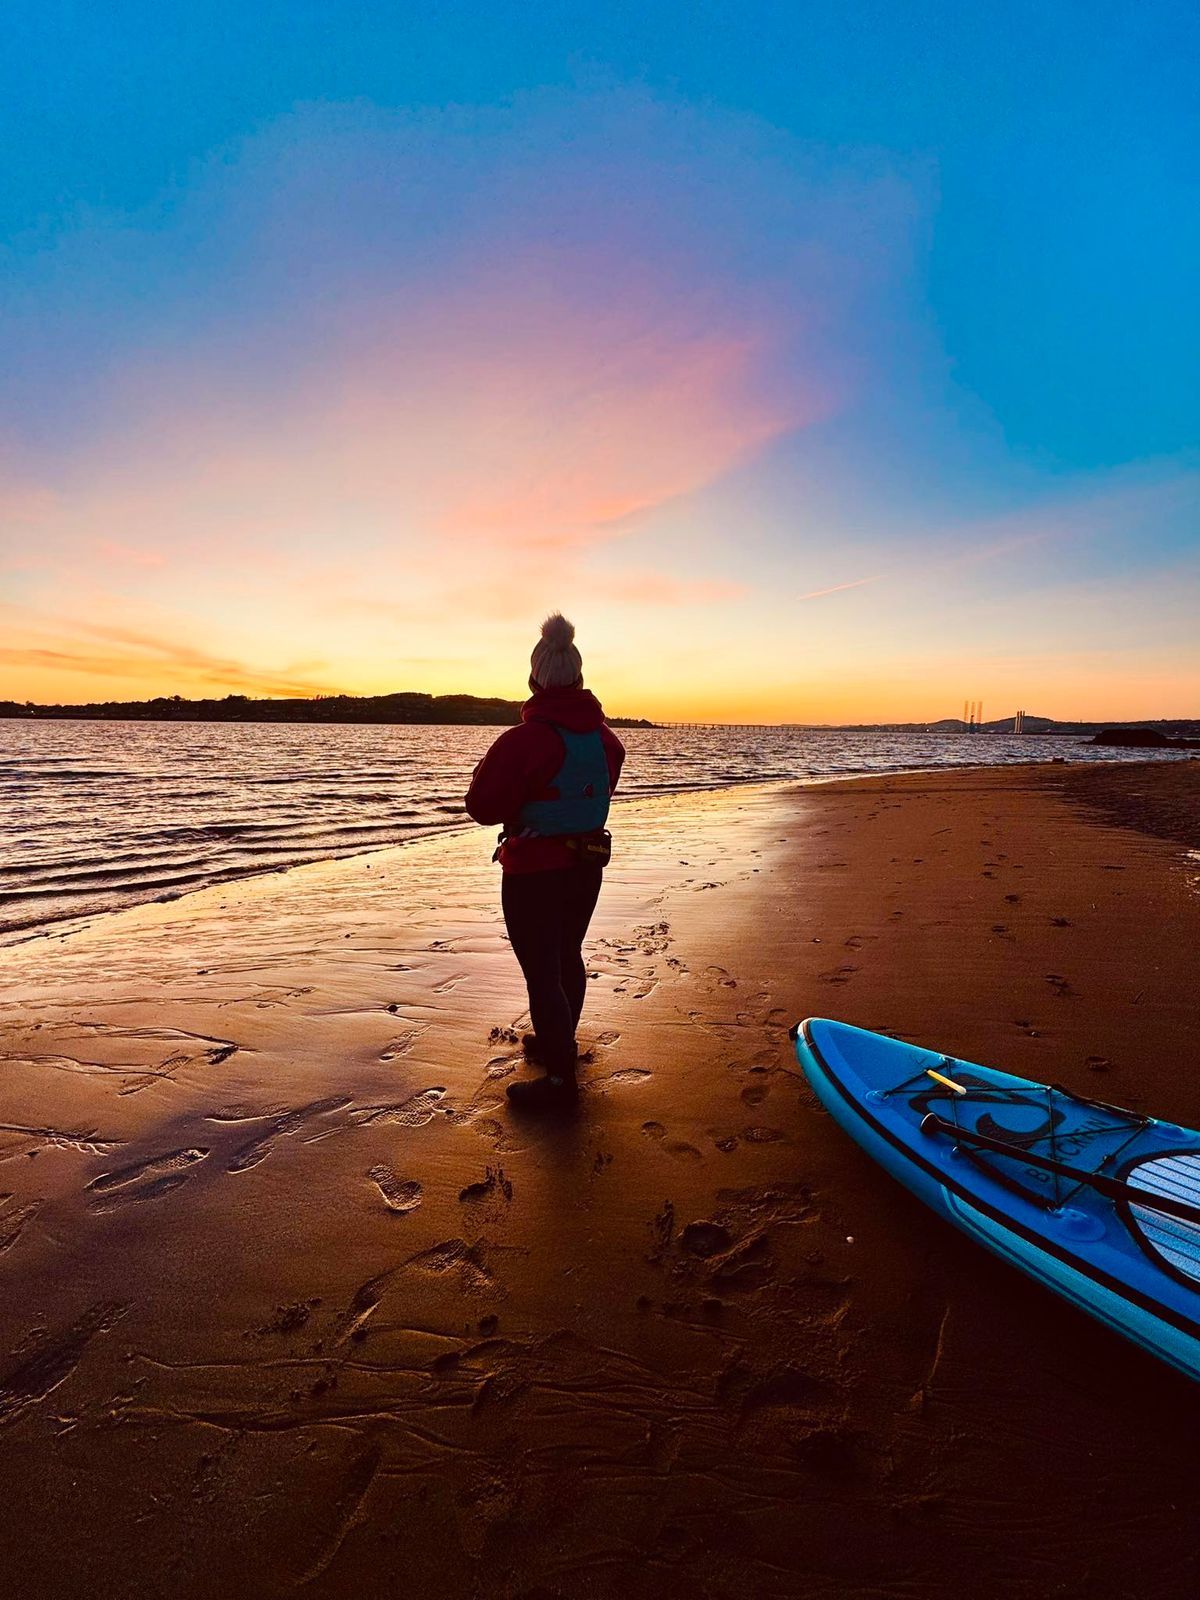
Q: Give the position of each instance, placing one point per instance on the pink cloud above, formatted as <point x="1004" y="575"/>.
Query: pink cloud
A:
<point x="112" y="550"/>
<point x="512" y="429"/>
<point x="446" y="359"/>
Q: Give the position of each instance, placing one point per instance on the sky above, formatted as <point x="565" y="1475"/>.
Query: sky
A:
<point x="828" y="362"/>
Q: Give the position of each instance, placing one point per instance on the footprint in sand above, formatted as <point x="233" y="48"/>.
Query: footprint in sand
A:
<point x="493" y="1182"/>
<point x="53" y="1358"/>
<point x="455" y="1258"/>
<point x="124" y="1186"/>
<point x="414" y="1112"/>
<point x="721" y="976"/>
<point x="748" y="1267"/>
<point x="260" y="1147"/>
<point x="504" y="1137"/>
<point x="679" y="1148"/>
<point x="12" y="1222"/>
<point x="400" y="1045"/>
<point x="399" y="1195"/>
<point x="645" y="987"/>
<point x="755" y="1093"/>
<point x="367" y="1298"/>
<point x="841" y="974"/>
<point x="287" y="1319"/>
<point x="617" y="1080"/>
<point x="243" y="1113"/>
<point x="704" y="1239"/>
<point x="663" y="1225"/>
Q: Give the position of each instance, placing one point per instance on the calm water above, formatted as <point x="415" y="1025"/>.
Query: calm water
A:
<point x="95" y="816"/>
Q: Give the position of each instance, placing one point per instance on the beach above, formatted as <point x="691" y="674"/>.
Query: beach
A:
<point x="294" y="1305"/>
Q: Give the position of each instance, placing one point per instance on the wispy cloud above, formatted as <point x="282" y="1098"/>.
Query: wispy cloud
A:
<point x="160" y="664"/>
<point x="155" y="673"/>
<point x="839" y="588"/>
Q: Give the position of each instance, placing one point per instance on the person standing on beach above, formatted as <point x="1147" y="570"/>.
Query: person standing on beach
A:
<point x="548" y="783"/>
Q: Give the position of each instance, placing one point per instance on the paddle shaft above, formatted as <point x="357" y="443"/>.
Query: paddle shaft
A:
<point x="1112" y="1188"/>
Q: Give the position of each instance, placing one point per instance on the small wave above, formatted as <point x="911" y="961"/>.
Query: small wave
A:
<point x="141" y="882"/>
<point x="95" y="816"/>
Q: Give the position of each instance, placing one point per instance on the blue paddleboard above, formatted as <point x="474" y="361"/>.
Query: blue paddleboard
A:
<point x="1099" y="1203"/>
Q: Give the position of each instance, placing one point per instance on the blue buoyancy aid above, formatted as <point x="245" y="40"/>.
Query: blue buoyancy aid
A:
<point x="582" y="783"/>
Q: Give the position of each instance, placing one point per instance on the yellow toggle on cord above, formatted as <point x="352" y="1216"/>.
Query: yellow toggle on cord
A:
<point x="959" y="1088"/>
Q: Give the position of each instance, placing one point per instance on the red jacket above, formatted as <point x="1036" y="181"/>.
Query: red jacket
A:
<point x="522" y="765"/>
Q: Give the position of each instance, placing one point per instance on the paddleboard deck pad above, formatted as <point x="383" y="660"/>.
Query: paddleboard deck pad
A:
<point x="1098" y="1203"/>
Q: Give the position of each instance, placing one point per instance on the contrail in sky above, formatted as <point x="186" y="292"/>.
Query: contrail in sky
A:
<point x="815" y="594"/>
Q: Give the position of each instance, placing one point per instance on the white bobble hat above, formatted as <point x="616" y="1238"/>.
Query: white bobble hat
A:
<point x="555" y="662"/>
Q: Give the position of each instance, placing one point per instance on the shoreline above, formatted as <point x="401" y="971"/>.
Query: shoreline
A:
<point x="66" y="927"/>
<point x="292" y="1300"/>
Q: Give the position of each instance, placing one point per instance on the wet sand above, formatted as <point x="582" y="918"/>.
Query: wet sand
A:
<point x="292" y="1305"/>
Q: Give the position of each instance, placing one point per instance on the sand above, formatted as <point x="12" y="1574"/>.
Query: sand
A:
<point x="292" y="1305"/>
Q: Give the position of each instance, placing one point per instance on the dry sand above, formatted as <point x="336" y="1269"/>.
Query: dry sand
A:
<point x="291" y="1304"/>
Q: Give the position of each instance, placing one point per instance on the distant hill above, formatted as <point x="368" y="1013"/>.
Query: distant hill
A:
<point x="412" y="707"/>
<point x="1184" y="727"/>
<point x="381" y="708"/>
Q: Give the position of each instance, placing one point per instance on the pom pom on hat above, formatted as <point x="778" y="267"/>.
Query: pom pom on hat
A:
<point x="555" y="662"/>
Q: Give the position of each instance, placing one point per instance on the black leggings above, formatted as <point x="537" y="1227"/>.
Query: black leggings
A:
<point x="547" y="915"/>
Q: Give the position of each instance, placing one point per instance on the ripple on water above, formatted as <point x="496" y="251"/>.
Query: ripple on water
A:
<point x="96" y="816"/>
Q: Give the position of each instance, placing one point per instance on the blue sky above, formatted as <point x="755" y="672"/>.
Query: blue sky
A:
<point x="951" y="259"/>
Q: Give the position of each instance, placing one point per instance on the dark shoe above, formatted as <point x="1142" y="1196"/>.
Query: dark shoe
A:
<point x="529" y="1044"/>
<point x="550" y="1093"/>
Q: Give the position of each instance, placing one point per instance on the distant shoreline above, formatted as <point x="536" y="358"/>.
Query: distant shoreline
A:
<point x="466" y="710"/>
<point x="408" y="708"/>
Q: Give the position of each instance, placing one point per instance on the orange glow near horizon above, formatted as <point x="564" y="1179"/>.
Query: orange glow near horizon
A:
<point x="114" y="664"/>
<point x="351" y="460"/>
